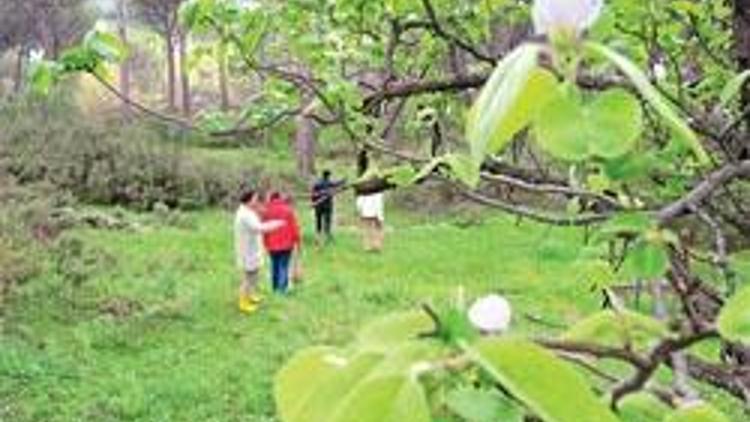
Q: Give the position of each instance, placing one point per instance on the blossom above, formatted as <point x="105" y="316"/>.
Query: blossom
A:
<point x="490" y="314"/>
<point x="571" y="16"/>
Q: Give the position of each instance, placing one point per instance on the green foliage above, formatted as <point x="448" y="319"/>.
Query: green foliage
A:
<point x="697" y="413"/>
<point x="646" y="261"/>
<point x="546" y="384"/>
<point x="509" y="101"/>
<point x="97" y="49"/>
<point x="618" y="329"/>
<point x="654" y="98"/>
<point x="642" y="407"/>
<point x="113" y="164"/>
<point x="474" y="405"/>
<point x="734" y="319"/>
<point x="607" y="126"/>
<point x="733" y="88"/>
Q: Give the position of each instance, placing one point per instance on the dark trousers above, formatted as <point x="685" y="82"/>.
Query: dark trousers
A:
<point x="280" y="270"/>
<point x="323" y="220"/>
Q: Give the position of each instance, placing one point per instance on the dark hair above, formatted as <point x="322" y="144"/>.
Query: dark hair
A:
<point x="247" y="195"/>
<point x="275" y="195"/>
<point x="326" y="174"/>
<point x="363" y="162"/>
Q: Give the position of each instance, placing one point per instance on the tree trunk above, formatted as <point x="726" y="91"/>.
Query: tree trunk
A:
<point x="742" y="46"/>
<point x="125" y="66"/>
<point x="20" y="69"/>
<point x="185" y="74"/>
<point x="305" y="145"/>
<point x="171" y="71"/>
<point x="223" y="76"/>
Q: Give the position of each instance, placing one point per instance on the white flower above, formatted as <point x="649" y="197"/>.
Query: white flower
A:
<point x="491" y="314"/>
<point x="573" y="16"/>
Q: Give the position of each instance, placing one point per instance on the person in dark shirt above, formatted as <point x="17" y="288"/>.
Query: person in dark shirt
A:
<point x="322" y="201"/>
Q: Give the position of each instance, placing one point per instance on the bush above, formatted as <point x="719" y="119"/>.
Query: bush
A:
<point x="114" y="164"/>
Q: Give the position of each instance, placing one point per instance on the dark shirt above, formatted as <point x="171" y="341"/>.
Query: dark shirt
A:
<point x="322" y="193"/>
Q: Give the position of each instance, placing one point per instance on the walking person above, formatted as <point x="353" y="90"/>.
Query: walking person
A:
<point x="372" y="219"/>
<point x="281" y="244"/>
<point x="248" y="229"/>
<point x="322" y="201"/>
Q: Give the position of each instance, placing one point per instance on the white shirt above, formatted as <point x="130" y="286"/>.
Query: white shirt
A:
<point x="247" y="237"/>
<point x="371" y="206"/>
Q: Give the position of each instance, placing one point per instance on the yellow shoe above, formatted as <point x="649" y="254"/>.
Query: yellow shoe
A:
<point x="256" y="299"/>
<point x="247" y="306"/>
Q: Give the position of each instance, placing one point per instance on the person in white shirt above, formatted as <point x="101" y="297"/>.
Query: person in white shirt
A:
<point x="372" y="216"/>
<point x="248" y="231"/>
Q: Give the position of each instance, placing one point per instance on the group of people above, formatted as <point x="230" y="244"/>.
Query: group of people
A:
<point x="270" y="225"/>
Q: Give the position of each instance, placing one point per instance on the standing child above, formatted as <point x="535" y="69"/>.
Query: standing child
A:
<point x="281" y="244"/>
<point x="248" y="229"/>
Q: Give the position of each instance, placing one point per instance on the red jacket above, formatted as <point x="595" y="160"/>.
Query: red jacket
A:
<point x="287" y="237"/>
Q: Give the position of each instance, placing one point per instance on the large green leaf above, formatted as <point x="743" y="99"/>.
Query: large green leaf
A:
<point x="508" y="102"/>
<point x="329" y="385"/>
<point x="550" y="387"/>
<point x="734" y="319"/>
<point x="698" y="413"/>
<point x="393" y="330"/>
<point x="571" y="129"/>
<point x="316" y="378"/>
<point x="474" y="405"/>
<point x="559" y="126"/>
<point x="618" y="329"/>
<point x="654" y="98"/>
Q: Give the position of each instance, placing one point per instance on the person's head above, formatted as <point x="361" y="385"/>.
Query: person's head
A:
<point x="326" y="174"/>
<point x="275" y="196"/>
<point x="249" y="198"/>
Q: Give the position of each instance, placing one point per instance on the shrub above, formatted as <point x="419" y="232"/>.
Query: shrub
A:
<point x="116" y="164"/>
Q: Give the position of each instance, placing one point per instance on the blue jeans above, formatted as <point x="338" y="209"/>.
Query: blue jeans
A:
<point x="280" y="270"/>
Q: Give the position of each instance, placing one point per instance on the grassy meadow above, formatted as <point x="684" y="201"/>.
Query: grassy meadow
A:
<point x="151" y="332"/>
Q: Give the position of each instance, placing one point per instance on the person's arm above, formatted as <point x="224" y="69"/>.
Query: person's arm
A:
<point x="266" y="226"/>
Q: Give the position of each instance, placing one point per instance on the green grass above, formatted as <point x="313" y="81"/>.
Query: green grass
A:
<point x="154" y="334"/>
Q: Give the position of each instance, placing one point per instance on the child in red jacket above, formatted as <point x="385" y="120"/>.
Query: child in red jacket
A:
<point x="281" y="243"/>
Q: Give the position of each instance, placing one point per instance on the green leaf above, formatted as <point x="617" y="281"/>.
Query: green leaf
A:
<point x="697" y="413"/>
<point x="558" y="126"/>
<point x="394" y="398"/>
<point x="608" y="127"/>
<point x="464" y="168"/>
<point x="106" y="46"/>
<point x="474" y="405"/>
<point x="654" y="98"/>
<point x="42" y="76"/>
<point x="317" y="375"/>
<point x="326" y="385"/>
<point x="733" y="88"/>
<point x="508" y="102"/>
<point x="616" y="120"/>
<point x="734" y="318"/>
<point x="642" y="407"/>
<point x="618" y="329"/>
<point x="550" y="387"/>
<point x="633" y="223"/>
<point x="647" y="261"/>
<point x="393" y="330"/>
